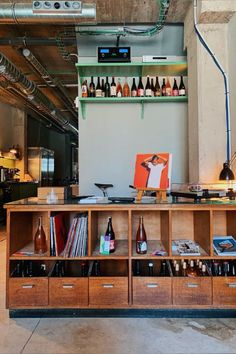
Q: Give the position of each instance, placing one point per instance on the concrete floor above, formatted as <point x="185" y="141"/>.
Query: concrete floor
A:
<point x="111" y="335"/>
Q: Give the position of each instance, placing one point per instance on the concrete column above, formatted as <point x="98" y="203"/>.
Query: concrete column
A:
<point x="207" y="128"/>
<point x="20" y="137"/>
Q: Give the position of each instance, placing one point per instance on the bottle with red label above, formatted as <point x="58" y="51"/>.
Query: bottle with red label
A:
<point x="111" y="234"/>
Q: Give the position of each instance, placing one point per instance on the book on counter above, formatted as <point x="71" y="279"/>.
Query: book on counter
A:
<point x="186" y="247"/>
<point x="224" y="245"/>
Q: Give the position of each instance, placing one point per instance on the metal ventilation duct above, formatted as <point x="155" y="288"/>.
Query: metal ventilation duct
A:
<point x="36" y="97"/>
<point x="22" y="13"/>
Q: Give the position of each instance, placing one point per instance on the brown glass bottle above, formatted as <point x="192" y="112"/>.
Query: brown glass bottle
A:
<point x="168" y="87"/>
<point x="110" y="232"/>
<point x="191" y="271"/>
<point x="126" y="89"/>
<point x="40" y="243"/>
<point x="141" y="238"/>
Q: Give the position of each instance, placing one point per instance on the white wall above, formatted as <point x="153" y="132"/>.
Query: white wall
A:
<point x="112" y="134"/>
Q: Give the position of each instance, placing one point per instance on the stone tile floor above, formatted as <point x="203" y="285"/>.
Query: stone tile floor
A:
<point x="111" y="335"/>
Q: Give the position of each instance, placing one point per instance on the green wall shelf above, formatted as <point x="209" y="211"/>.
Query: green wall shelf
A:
<point x="132" y="69"/>
<point x="140" y="100"/>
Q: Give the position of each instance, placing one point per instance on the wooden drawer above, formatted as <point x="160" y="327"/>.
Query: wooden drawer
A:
<point x="224" y="291"/>
<point x="152" y="291"/>
<point x="68" y="291"/>
<point x="192" y="291"/>
<point x="108" y="291"/>
<point x="28" y="292"/>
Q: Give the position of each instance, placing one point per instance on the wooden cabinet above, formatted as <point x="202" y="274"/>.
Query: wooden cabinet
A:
<point x="224" y="291"/>
<point x="118" y="286"/>
<point x="28" y="292"/>
<point x="192" y="291"/>
<point x="68" y="292"/>
<point x="152" y="291"/>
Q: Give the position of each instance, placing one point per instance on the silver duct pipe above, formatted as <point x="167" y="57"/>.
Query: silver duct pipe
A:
<point x="62" y="95"/>
<point x="22" y="13"/>
<point x="29" y="88"/>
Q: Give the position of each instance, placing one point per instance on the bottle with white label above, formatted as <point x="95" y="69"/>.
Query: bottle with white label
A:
<point x="134" y="89"/>
<point x="111" y="234"/>
<point x="182" y="90"/>
<point x="119" y="89"/>
<point x="98" y="91"/>
<point x="84" y="89"/>
<point x="148" y="91"/>
<point x="140" y="88"/>
<point x="113" y="87"/>
<point x="141" y="238"/>
<point x="168" y="87"/>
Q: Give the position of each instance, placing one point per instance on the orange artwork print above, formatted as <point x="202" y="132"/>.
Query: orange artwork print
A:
<point x="153" y="171"/>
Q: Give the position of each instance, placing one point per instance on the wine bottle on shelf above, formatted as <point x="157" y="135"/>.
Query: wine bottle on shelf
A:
<point x="177" y="271"/>
<point x="113" y="87"/>
<point x="103" y="88"/>
<point x="184" y="269"/>
<point x="150" y="269"/>
<point x="137" y="267"/>
<point x="40" y="243"/>
<point x="84" y="89"/>
<point x="203" y="271"/>
<point x="30" y="269"/>
<point x="215" y="269"/>
<point x="175" y="90"/>
<point x="92" y="88"/>
<point x="98" y="92"/>
<point x="157" y="89"/>
<point x="182" y="90"/>
<point x="140" y="88"/>
<point x="97" y="271"/>
<point x="163" y="269"/>
<point x="148" y="91"/>
<point x="152" y="86"/>
<point x="232" y="269"/>
<point x="83" y="269"/>
<point x="141" y="238"/>
<point x="226" y="268"/>
<point x="163" y="88"/>
<point x="107" y="88"/>
<point x="126" y="89"/>
<point x="119" y="89"/>
<point x="17" y="272"/>
<point x="134" y="91"/>
<point x="168" y="87"/>
<point x="43" y="270"/>
<point x="110" y="232"/>
<point x="191" y="270"/>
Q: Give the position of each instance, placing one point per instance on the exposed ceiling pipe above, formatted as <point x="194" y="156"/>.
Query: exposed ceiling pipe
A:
<point x="35" y="41"/>
<point x="61" y="93"/>
<point x="22" y="13"/>
<point x="28" y="87"/>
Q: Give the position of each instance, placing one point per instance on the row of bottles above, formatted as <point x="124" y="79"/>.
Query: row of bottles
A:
<point x="29" y="269"/>
<point x="151" y="268"/>
<point x="223" y="268"/>
<point x="189" y="268"/>
<point x="115" y="89"/>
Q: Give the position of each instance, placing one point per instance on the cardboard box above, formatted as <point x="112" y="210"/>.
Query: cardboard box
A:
<point x="74" y="189"/>
<point x="61" y="192"/>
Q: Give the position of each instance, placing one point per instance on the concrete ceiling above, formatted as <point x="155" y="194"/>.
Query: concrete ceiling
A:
<point x="51" y="44"/>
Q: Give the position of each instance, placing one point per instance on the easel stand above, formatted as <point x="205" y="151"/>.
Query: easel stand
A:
<point x="160" y="194"/>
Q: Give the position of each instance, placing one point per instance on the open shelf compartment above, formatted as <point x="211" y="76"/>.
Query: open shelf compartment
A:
<point x="99" y="220"/>
<point x="157" y="227"/>
<point x="192" y="225"/>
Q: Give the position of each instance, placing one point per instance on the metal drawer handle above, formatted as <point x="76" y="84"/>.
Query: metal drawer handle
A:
<point x="232" y="285"/>
<point x="192" y="285"/>
<point x="68" y="286"/>
<point x="108" y="286"/>
<point x="28" y="286"/>
<point x="152" y="285"/>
